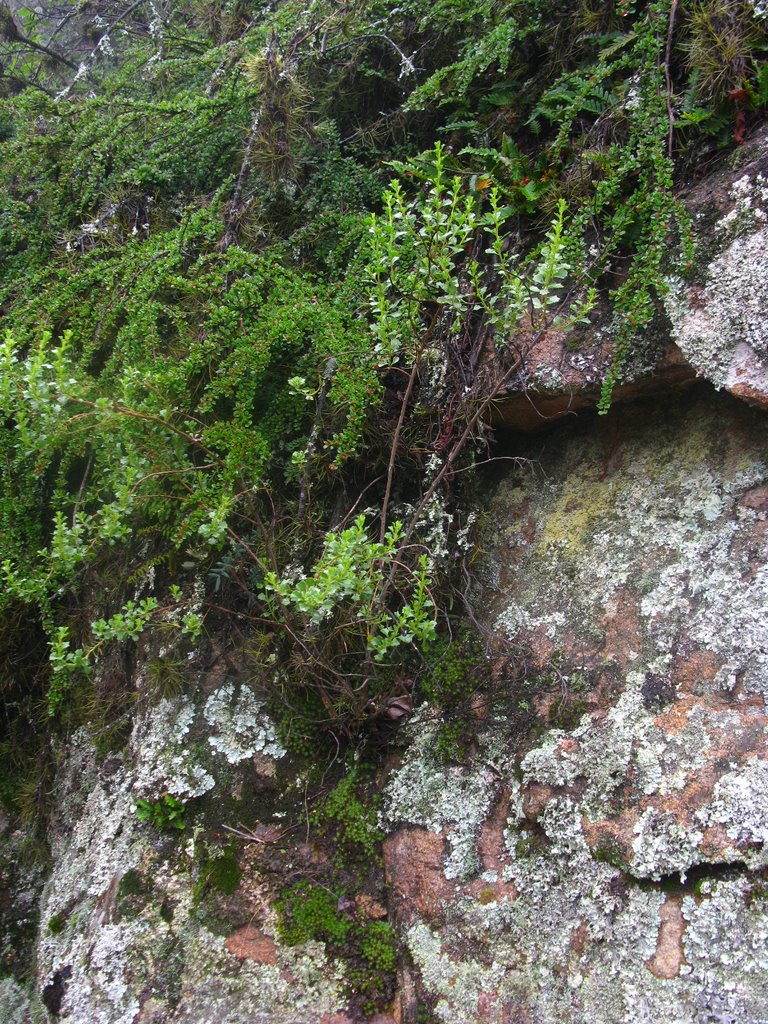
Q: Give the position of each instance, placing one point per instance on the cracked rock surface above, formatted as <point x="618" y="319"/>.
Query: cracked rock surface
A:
<point x="616" y="870"/>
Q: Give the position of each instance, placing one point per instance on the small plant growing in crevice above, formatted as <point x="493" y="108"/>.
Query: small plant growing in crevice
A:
<point x="166" y="814"/>
<point x="368" y="949"/>
<point x="349" y="818"/>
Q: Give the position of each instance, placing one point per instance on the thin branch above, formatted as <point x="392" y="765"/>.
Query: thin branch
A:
<point x="393" y="450"/>
<point x="668" y="76"/>
<point x="309" y="451"/>
<point x="407" y="67"/>
<point x="235" y="206"/>
<point x="85" y="68"/>
<point x="18" y="37"/>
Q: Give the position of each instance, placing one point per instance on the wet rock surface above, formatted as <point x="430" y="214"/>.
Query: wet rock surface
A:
<point x="619" y="870"/>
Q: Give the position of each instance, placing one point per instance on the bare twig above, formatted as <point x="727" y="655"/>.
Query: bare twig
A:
<point x="269" y="835"/>
<point x="393" y="450"/>
<point x="235" y="206"/>
<point x="13" y="34"/>
<point x="407" y="67"/>
<point x="330" y="370"/>
<point x="668" y="76"/>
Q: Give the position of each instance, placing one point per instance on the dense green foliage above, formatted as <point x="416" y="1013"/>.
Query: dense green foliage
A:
<point x="262" y="276"/>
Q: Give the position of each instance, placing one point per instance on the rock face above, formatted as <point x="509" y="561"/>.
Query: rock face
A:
<point x="713" y="326"/>
<point x="718" y="321"/>
<point x="610" y="867"/>
<point x="132" y="928"/>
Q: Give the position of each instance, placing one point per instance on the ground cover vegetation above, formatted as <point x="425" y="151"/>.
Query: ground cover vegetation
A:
<point x="263" y="274"/>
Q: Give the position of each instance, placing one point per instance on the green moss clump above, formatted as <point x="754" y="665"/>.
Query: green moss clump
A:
<point x="453" y="670"/>
<point x="609" y="851"/>
<point x="57" y="924"/>
<point x="133" y="883"/>
<point x="225" y="873"/>
<point x="757" y="894"/>
<point x="378" y="945"/>
<point x="367" y="949"/>
<point x="525" y="846"/>
<point x="220" y="872"/>
<point x="306" y="912"/>
<point x="133" y="893"/>
<point x="349" y="818"/>
<point x="450" y="744"/>
<point x="295" y="722"/>
<point x="458" y="667"/>
<point x="569" y="713"/>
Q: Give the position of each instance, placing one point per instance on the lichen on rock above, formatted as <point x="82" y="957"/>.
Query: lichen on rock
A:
<point x="14" y="1004"/>
<point x="720" y="325"/>
<point x="439" y="797"/>
<point x="164" y="761"/>
<point x="130" y="932"/>
<point x="239" y="725"/>
<point x="635" y="560"/>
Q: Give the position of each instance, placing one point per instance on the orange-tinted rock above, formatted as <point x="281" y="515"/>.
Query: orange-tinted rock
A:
<point x="536" y="796"/>
<point x="368" y="907"/>
<point x="413" y="861"/>
<point x="547" y="398"/>
<point x="670" y="955"/>
<point x="251" y="944"/>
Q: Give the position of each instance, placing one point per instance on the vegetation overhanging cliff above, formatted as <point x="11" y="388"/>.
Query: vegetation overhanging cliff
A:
<point x="269" y="281"/>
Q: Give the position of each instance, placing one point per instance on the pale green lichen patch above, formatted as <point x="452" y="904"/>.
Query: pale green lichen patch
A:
<point x="14" y="1003"/>
<point x="663" y="846"/>
<point x="450" y="799"/>
<point x="726" y="950"/>
<point x="240" y="727"/>
<point x="721" y="327"/>
<point x="166" y="757"/>
<point x="96" y="838"/>
<point x="163" y="758"/>
<point x="749" y="201"/>
<point x="638" y="549"/>
<point x="740" y="803"/>
<point x="658" y="787"/>
<point x="457" y="984"/>
<point x="303" y="985"/>
<point x="126" y="895"/>
<point x="525" y="950"/>
<point x="626" y="743"/>
<point x="662" y="520"/>
<point x="578" y="941"/>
